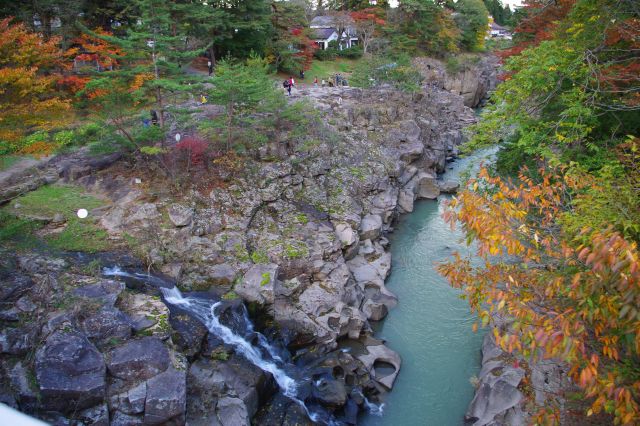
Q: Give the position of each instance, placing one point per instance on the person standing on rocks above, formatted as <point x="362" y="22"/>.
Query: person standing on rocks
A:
<point x="287" y="85"/>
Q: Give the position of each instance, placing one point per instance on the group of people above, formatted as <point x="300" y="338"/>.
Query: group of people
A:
<point x="337" y="80"/>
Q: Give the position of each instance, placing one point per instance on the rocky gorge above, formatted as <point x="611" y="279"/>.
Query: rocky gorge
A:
<point x="299" y="236"/>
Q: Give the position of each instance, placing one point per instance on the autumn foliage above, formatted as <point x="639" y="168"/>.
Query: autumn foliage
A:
<point x="29" y="99"/>
<point x="579" y="303"/>
<point x="540" y="22"/>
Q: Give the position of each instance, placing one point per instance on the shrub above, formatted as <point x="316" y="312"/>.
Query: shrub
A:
<point x="194" y="148"/>
<point x="351" y="53"/>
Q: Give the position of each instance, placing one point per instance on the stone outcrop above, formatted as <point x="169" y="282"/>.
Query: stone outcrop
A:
<point x="473" y="78"/>
<point x="499" y="398"/>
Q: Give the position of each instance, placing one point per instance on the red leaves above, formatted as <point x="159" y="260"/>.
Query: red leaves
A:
<point x="194" y="147"/>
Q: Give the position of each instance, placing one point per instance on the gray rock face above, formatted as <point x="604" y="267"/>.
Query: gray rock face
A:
<point x="258" y="284"/>
<point x="138" y="359"/>
<point x="16" y="341"/>
<point x="14" y="286"/>
<point x="107" y="324"/>
<point x="222" y="274"/>
<point x="166" y="398"/>
<point x="70" y="372"/>
<point x="427" y="187"/>
<point x="105" y="291"/>
<point x="180" y="215"/>
<point x="232" y="412"/>
<point x="448" y="186"/>
<point x="370" y="227"/>
<point x="497" y="397"/>
<point x="130" y="402"/>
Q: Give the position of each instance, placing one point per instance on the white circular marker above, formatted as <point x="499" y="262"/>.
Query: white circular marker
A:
<point x="82" y="213"/>
<point x="178" y="137"/>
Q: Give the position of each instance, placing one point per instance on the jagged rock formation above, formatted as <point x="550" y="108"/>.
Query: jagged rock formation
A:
<point x="474" y="80"/>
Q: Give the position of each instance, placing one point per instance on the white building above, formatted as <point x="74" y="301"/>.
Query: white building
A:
<point x="325" y="32"/>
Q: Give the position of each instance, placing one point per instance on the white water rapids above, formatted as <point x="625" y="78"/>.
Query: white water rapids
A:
<point x="205" y="311"/>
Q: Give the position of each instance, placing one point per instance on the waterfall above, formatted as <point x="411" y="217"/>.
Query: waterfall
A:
<point x="205" y="311"/>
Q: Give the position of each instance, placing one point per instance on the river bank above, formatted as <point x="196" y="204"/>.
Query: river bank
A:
<point x="299" y="235"/>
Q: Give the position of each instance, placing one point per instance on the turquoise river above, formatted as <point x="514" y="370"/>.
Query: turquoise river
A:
<point x="431" y="327"/>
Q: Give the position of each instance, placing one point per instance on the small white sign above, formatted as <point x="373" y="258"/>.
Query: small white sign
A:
<point x="82" y="213"/>
<point x="178" y="137"/>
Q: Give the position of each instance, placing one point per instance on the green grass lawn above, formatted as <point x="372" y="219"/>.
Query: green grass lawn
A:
<point x="324" y="69"/>
<point x="7" y="161"/>
<point x="19" y="224"/>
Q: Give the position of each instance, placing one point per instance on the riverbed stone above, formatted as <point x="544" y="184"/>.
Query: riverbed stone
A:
<point x="330" y="392"/>
<point x="107" y="324"/>
<point x="131" y="401"/>
<point x="70" y="372"/>
<point x="138" y="359"/>
<point x="223" y="274"/>
<point x="380" y="352"/>
<point x="232" y="412"/>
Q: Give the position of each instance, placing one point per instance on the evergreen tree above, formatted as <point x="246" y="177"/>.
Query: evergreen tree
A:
<point x="156" y="49"/>
<point x="473" y="21"/>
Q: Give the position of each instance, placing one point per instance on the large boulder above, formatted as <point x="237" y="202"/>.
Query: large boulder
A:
<point x="166" y="398"/>
<point x="106" y="324"/>
<point x="330" y="392"/>
<point x="232" y="412"/>
<point x="222" y="274"/>
<point x="180" y="215"/>
<point x="448" y="186"/>
<point x="70" y="372"/>
<point x="104" y="291"/>
<point x="370" y="227"/>
<point x="138" y="359"/>
<point x="188" y="332"/>
<point x="427" y="187"/>
<point x="258" y="284"/>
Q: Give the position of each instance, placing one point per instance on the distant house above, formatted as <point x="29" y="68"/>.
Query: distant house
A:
<point x="325" y="32"/>
<point x="498" y="31"/>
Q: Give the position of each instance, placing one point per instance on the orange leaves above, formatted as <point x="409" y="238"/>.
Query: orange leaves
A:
<point x="95" y="48"/>
<point x="577" y="303"/>
<point x="28" y="97"/>
<point x="139" y="80"/>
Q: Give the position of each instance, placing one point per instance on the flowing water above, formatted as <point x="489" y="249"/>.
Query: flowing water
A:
<point x="431" y="326"/>
<point x="262" y="353"/>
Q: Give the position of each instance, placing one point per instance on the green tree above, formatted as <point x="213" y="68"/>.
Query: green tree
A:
<point x="156" y="51"/>
<point x="245" y="90"/>
<point x="424" y="26"/>
<point x="473" y="21"/>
